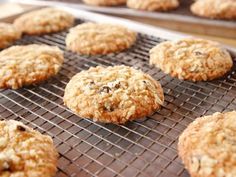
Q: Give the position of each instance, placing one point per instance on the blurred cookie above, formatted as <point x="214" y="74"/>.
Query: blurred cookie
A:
<point x="153" y="5"/>
<point x="208" y="146"/>
<point x="191" y="59"/>
<point x="43" y="21"/>
<point x="92" y="38"/>
<point x="8" y="34"/>
<point x="25" y="152"/>
<point x="113" y="94"/>
<point x="220" y="9"/>
<point x="105" y="2"/>
<point x="25" y="65"/>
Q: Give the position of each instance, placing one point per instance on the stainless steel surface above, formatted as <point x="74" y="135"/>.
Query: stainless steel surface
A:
<point x="144" y="147"/>
<point x="182" y="14"/>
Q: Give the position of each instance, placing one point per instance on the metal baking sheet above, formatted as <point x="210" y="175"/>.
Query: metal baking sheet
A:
<point x="142" y="148"/>
<point x="182" y="14"/>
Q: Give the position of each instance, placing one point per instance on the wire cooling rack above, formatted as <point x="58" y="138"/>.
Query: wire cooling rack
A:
<point x="142" y="148"/>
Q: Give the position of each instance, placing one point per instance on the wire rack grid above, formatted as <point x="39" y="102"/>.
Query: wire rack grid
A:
<point x="142" y="148"/>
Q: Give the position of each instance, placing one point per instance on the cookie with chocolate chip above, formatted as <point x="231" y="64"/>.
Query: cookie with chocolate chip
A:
<point x="208" y="146"/>
<point x="25" y="152"/>
<point x="113" y="94"/>
<point x="192" y="59"/>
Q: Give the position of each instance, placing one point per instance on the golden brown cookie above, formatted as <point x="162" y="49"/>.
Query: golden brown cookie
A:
<point x="153" y="5"/>
<point x="208" y="146"/>
<point x="191" y="59"/>
<point x="25" y="152"/>
<point x="220" y="9"/>
<point x="8" y="34"/>
<point x="30" y="64"/>
<point x="43" y="21"/>
<point x="113" y="94"/>
<point x="105" y="2"/>
<point x="92" y="38"/>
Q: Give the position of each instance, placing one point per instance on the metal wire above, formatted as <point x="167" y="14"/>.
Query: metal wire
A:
<point x="144" y="148"/>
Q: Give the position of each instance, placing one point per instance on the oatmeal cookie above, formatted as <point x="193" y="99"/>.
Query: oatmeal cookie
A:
<point x="219" y="9"/>
<point x="113" y="94"/>
<point x="191" y="59"/>
<point x="153" y="5"/>
<point x="8" y="34"/>
<point x="29" y="64"/>
<point x="25" y="152"/>
<point x="92" y="38"/>
<point x="43" y="21"/>
<point x="208" y="146"/>
<point x="105" y="2"/>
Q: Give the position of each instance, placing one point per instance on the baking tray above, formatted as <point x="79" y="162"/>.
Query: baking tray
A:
<point x="180" y="18"/>
<point x="142" y="148"/>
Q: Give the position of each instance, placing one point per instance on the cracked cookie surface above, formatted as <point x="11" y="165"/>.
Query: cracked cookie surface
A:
<point x="25" y="152"/>
<point x="93" y="38"/>
<point x="29" y="64"/>
<point x="105" y="2"/>
<point x="208" y="146"/>
<point x="8" y="34"/>
<point x="43" y="21"/>
<point x="219" y="9"/>
<point x="153" y="5"/>
<point x="192" y="59"/>
<point x="113" y="94"/>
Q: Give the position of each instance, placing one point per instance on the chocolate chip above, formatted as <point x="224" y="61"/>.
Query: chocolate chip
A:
<point x="198" y="158"/>
<point x="21" y="128"/>
<point x="105" y="89"/>
<point x="111" y="109"/>
<point x="144" y="82"/>
<point x="117" y="86"/>
<point x="199" y="53"/>
<point x="92" y="83"/>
